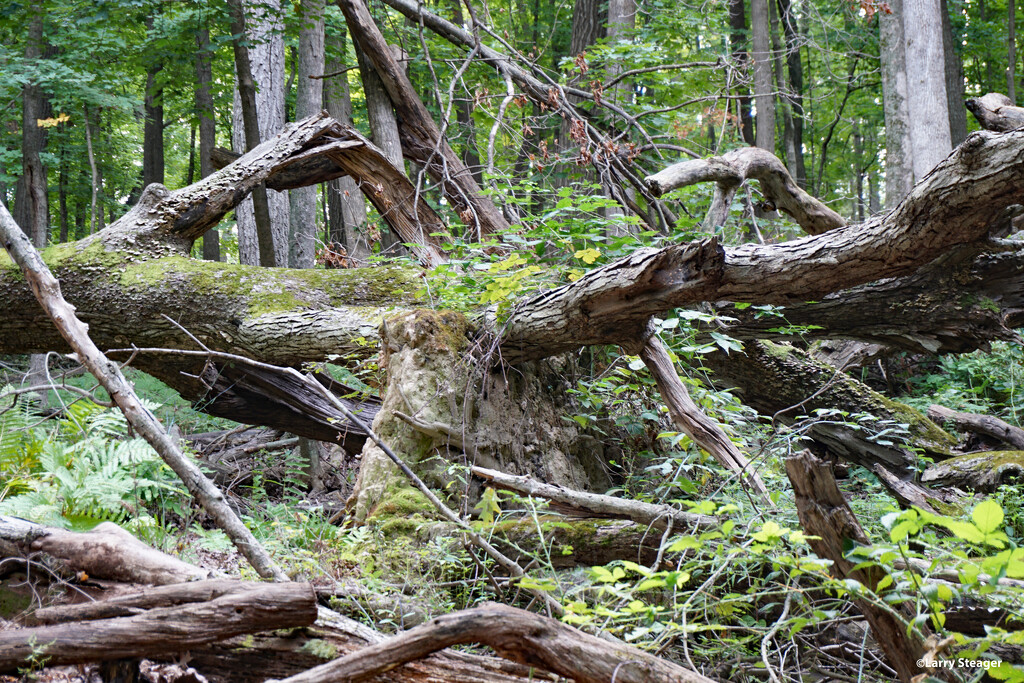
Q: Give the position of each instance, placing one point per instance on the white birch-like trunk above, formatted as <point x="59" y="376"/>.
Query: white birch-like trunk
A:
<point x="926" y="85"/>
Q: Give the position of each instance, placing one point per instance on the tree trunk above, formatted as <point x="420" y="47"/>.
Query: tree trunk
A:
<point x="31" y="201"/>
<point x="794" y="67"/>
<point x="308" y="101"/>
<point x="764" y="88"/>
<point x="346" y="208"/>
<point x="926" y="84"/>
<point x="262" y="238"/>
<point x="954" y="68"/>
<point x="207" y="127"/>
<point x="153" y="127"/>
<point x="1011" y="50"/>
<point x="738" y="39"/>
<point x="899" y="168"/>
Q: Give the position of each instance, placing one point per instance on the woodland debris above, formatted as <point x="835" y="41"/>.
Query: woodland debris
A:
<point x="825" y="514"/>
<point x="106" y="552"/>
<point x="516" y="634"/>
<point x="986" y="425"/>
<point x="581" y="503"/>
<point x="157" y="631"/>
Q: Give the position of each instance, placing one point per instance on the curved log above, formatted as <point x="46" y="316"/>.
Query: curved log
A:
<point x="997" y="112"/>
<point x="748" y="163"/>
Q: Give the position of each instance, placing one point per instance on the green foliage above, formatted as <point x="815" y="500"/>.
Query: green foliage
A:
<point x="82" y="471"/>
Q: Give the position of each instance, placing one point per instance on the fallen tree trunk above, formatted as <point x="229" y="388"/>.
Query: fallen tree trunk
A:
<point x="162" y="630"/>
<point x="979" y="424"/>
<point x="106" y="552"/>
<point x="516" y="634"/>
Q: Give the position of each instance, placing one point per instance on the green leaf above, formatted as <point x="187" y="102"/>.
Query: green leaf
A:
<point x="988" y="515"/>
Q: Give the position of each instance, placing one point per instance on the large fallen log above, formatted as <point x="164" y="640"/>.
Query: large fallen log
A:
<point x="107" y="552"/>
<point x="985" y="425"/>
<point x="516" y="634"/>
<point x="162" y="630"/>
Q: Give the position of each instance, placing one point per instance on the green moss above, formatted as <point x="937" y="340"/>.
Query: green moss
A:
<point x="780" y="351"/>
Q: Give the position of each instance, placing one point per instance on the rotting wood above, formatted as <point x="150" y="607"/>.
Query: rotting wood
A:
<point x="130" y="604"/>
<point x="986" y="425"/>
<point x="162" y="630"/>
<point x="825" y="514"/>
<point x="908" y="493"/>
<point x="106" y="552"/>
<point x="516" y="634"/>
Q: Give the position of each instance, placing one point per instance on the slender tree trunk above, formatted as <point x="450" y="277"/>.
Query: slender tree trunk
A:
<point x="96" y="180"/>
<point x="1011" y="50"/>
<point x="153" y="126"/>
<point x="738" y="40"/>
<point x="31" y="202"/>
<point x="262" y="225"/>
<point x="621" y="24"/>
<point x="926" y="84"/>
<point x="788" y="129"/>
<point x="899" y="170"/>
<point x="954" y="81"/>
<point x="346" y="207"/>
<point x="795" y="69"/>
<point x="207" y="126"/>
<point x="308" y="101"/>
<point x="764" y="97"/>
<point x="62" y="194"/>
<point x="464" y="118"/>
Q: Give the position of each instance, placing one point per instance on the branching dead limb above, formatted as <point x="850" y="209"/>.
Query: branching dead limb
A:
<point x="730" y="170"/>
<point x="47" y="291"/>
<point x="515" y="634"/>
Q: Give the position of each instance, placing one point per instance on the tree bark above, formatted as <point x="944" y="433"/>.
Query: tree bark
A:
<point x="954" y="69"/>
<point x="207" y="127"/>
<point x="764" y="88"/>
<point x="346" y="208"/>
<point x="985" y="425"/>
<point x="262" y="230"/>
<point x="899" y="169"/>
<point x="31" y="199"/>
<point x="153" y="126"/>
<point x="997" y="112"/>
<point x="159" y="630"/>
<point x="926" y="84"/>
<point x="421" y="139"/>
<point x="794" y="67"/>
<point x="515" y="634"/>
<point x="1011" y="50"/>
<point x="737" y="40"/>
<point x="308" y="101"/>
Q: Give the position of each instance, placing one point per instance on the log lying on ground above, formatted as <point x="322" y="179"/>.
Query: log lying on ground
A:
<point x="162" y="630"/>
<point x="131" y="604"/>
<point x="107" y="552"/>
<point x="825" y="514"/>
<point x="730" y="170"/>
<point x="985" y="425"/>
<point x="254" y="658"/>
<point x="983" y="472"/>
<point x="516" y="634"/>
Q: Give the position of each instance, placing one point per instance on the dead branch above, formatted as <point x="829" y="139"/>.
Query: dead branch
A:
<point x="515" y="634"/>
<point x="704" y="431"/>
<point x="997" y="112"/>
<point x="596" y="505"/>
<point x="47" y="291"/>
<point x="106" y="552"/>
<point x="825" y="514"/>
<point x="730" y="170"/>
<point x="986" y="425"/>
<point x="161" y="630"/>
